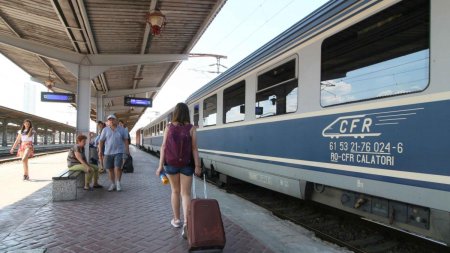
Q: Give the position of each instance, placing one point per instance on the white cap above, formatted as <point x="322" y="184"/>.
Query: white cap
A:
<point x="112" y="116"/>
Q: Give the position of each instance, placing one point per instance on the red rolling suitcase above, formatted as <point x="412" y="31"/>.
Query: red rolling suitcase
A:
<point x="205" y="226"/>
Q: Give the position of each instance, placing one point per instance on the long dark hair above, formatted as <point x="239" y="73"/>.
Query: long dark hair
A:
<point x="29" y="132"/>
<point x="181" y="114"/>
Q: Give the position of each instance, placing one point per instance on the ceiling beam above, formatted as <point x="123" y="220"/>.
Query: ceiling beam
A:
<point x="61" y="19"/>
<point x="143" y="45"/>
<point x="128" y="114"/>
<point x="132" y="59"/>
<point x="125" y="92"/>
<point x="66" y="89"/>
<point x="90" y="37"/>
<point x="39" y="57"/>
<point x="117" y="108"/>
<point x="106" y="60"/>
<point x="41" y="49"/>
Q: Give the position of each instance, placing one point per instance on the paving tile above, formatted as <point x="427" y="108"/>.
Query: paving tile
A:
<point x="134" y="220"/>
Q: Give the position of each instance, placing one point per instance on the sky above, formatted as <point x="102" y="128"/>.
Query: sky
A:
<point x="240" y="28"/>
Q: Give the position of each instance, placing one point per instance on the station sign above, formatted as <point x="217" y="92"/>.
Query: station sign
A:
<point x="57" y="97"/>
<point x="137" y="102"/>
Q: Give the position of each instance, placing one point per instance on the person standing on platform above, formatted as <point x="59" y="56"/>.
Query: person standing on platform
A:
<point x="76" y="160"/>
<point x="115" y="139"/>
<point x="178" y="148"/>
<point x="122" y="124"/>
<point x="100" y="126"/>
<point x="25" y="137"/>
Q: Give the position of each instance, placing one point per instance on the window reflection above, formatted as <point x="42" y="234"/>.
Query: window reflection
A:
<point x="210" y="111"/>
<point x="385" y="55"/>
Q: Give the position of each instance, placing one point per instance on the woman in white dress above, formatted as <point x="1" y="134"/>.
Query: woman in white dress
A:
<point x="25" y="137"/>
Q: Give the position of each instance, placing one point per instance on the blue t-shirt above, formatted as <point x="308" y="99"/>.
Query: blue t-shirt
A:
<point x="114" y="140"/>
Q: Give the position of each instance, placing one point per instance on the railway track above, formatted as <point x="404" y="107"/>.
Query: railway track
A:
<point x="333" y="225"/>
<point x="330" y="224"/>
<point x="6" y="157"/>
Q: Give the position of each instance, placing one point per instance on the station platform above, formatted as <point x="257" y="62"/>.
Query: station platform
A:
<point x="134" y="220"/>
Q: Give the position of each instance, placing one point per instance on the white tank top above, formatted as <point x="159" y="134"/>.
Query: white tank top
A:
<point x="25" y="137"/>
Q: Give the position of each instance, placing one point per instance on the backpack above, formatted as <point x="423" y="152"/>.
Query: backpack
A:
<point x="178" y="149"/>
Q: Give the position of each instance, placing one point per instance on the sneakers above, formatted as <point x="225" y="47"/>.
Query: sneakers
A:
<point x="116" y="186"/>
<point x="111" y="187"/>
<point x="184" y="232"/>
<point x="176" y="223"/>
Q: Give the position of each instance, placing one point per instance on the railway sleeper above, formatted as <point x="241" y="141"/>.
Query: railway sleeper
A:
<point x="381" y="247"/>
<point x="370" y="240"/>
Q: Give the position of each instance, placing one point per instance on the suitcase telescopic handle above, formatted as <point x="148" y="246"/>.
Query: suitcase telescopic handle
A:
<point x="204" y="186"/>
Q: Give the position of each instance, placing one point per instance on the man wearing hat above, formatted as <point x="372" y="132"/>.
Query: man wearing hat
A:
<point x="116" y="147"/>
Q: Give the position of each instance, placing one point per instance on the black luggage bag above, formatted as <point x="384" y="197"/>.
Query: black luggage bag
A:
<point x="128" y="165"/>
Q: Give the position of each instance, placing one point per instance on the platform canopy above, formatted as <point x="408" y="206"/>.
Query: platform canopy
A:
<point x="103" y="27"/>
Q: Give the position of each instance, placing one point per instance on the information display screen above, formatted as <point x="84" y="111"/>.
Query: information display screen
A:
<point x="137" y="102"/>
<point x="58" y="97"/>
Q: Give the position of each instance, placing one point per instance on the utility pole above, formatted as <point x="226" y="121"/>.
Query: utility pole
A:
<point x="217" y="64"/>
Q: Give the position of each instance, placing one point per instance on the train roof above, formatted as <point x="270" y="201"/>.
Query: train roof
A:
<point x="282" y="42"/>
<point x="159" y="118"/>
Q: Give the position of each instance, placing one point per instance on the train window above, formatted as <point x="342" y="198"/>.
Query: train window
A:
<point x="161" y="128"/>
<point x="233" y="101"/>
<point x="196" y="114"/>
<point x="277" y="91"/>
<point x="210" y="111"/>
<point x="385" y="55"/>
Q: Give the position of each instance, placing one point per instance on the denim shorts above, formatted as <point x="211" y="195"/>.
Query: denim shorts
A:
<point x="187" y="171"/>
<point x="113" y="161"/>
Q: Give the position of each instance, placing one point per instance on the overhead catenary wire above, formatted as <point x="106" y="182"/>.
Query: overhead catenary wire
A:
<point x="240" y="24"/>
<point x="261" y="26"/>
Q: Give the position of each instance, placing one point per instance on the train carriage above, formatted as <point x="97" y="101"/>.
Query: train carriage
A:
<point x="348" y="107"/>
<point x="138" y="138"/>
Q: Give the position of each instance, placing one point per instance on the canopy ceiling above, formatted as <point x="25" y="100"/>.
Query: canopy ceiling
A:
<point x="105" y="27"/>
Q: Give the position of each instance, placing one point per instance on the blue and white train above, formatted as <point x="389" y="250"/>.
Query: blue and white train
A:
<point x="350" y="107"/>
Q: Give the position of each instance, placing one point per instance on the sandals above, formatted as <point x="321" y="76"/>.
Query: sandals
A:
<point x="184" y="232"/>
<point x="26" y="177"/>
<point x="176" y="223"/>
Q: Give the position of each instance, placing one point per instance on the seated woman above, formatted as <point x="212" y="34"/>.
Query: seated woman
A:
<point x="76" y="160"/>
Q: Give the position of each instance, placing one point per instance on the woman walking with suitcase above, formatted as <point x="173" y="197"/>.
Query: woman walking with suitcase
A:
<point x="179" y="147"/>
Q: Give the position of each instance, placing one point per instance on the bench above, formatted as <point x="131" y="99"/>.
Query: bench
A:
<point x="65" y="186"/>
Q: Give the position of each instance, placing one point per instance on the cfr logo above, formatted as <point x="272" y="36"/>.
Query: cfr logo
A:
<point x="350" y="126"/>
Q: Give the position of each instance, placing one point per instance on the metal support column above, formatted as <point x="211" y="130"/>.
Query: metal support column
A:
<point x="65" y="137"/>
<point x="35" y="141"/>
<point x="45" y="135"/>
<point x="84" y="103"/>
<point x="4" y="133"/>
<point x="60" y="141"/>
<point x="54" y="136"/>
<point x="100" y="116"/>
